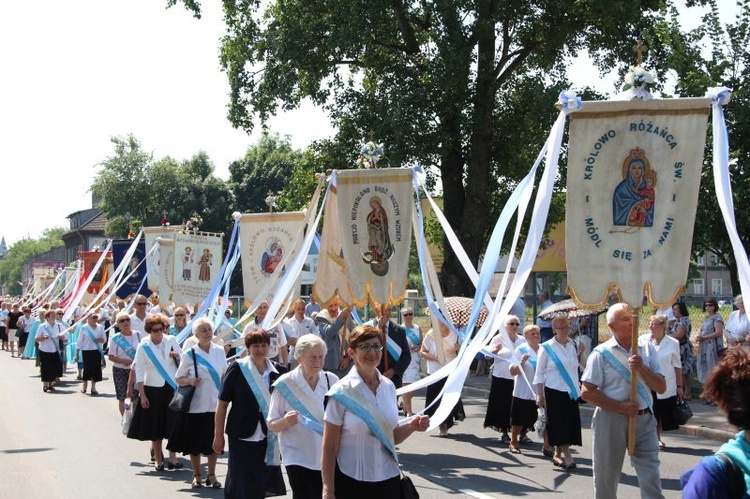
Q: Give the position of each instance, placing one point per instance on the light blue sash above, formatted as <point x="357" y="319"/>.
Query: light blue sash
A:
<point x="159" y="366"/>
<point x="90" y="334"/>
<point x="572" y="388"/>
<point x="643" y="391"/>
<point x="310" y="413"/>
<point x="354" y="401"/>
<point x="126" y="347"/>
<point x="393" y="348"/>
<point x="532" y="360"/>
<point x="211" y="370"/>
<point x="263" y="397"/>
<point x="413" y="336"/>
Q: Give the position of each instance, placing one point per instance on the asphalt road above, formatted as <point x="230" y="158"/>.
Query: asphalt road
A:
<point x="69" y="445"/>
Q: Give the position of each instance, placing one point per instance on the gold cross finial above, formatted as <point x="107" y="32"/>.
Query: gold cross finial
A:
<point x="639" y="48"/>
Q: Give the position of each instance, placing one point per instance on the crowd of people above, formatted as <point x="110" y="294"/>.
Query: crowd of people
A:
<point x="317" y="393"/>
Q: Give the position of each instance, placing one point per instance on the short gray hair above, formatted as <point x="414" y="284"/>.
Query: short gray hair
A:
<point x="614" y="309"/>
<point x="308" y="342"/>
<point x="203" y="321"/>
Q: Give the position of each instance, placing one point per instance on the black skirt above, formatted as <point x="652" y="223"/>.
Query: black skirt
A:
<point x="664" y="413"/>
<point x="156" y="422"/>
<point x="433" y="391"/>
<point x="563" y="418"/>
<point x="92" y="365"/>
<point x="498" y="405"/>
<point x="51" y="365"/>
<point x="193" y="433"/>
<point x="248" y="476"/>
<point x="523" y="413"/>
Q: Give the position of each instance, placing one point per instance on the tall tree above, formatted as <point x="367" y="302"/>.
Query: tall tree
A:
<point x="714" y="54"/>
<point x="429" y="78"/>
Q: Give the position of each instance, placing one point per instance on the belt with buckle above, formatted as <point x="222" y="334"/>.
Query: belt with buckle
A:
<point x="641" y="412"/>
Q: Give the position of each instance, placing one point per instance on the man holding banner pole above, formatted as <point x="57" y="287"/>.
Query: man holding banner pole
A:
<point x="606" y="384"/>
<point x="398" y="355"/>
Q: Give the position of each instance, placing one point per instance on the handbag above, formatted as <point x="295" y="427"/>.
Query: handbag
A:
<point x="408" y="490"/>
<point x="127" y="416"/>
<point x="682" y="412"/>
<point x="184" y="394"/>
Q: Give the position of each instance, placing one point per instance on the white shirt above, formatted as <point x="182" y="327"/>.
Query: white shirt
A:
<point x="85" y="342"/>
<point x="737" y="327"/>
<point x="301" y="446"/>
<point x="449" y="344"/>
<point x="145" y="371"/>
<point x="53" y="331"/>
<point x="137" y="324"/>
<point x="521" y="389"/>
<point x="501" y="369"/>
<point x="259" y="434"/>
<point x="668" y="355"/>
<point x="361" y="455"/>
<point x="278" y="338"/>
<point x="206" y="393"/>
<point x="294" y="328"/>
<point x="115" y="350"/>
<point x="546" y="370"/>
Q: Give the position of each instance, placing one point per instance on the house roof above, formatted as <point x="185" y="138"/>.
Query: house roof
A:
<point x="95" y="225"/>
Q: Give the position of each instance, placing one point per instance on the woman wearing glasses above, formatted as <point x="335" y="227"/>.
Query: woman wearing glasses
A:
<point x="414" y="338"/>
<point x="361" y="427"/>
<point x="681" y="332"/>
<point x="710" y="340"/>
<point x="122" y="348"/>
<point x="668" y="353"/>
<point x="180" y="321"/>
<point x="156" y="362"/>
<point x="48" y="337"/>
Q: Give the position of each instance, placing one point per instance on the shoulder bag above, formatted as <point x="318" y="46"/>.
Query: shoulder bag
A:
<point x="184" y="394"/>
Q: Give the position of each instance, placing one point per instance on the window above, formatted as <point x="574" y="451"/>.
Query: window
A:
<point x="717" y="287"/>
<point x="698" y="287"/>
<point x="700" y="260"/>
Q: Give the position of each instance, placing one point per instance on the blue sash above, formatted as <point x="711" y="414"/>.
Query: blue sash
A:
<point x="354" y="401"/>
<point x="90" y="334"/>
<point x="126" y="347"/>
<point x="159" y="366"/>
<point x="211" y="370"/>
<point x="393" y="348"/>
<point x="532" y="360"/>
<point x="643" y="391"/>
<point x="573" y="390"/>
<point x="413" y="336"/>
<point x="310" y="415"/>
<point x="263" y="397"/>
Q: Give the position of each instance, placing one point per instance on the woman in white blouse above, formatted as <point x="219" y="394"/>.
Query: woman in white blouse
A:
<point x="48" y="337"/>
<point x="438" y="348"/>
<point x="90" y="340"/>
<point x="558" y="390"/>
<point x="156" y="361"/>
<point x="296" y="414"/>
<point x="523" y="411"/>
<point x="193" y="432"/>
<point x="355" y="462"/>
<point x="668" y="353"/>
<point x="737" y="327"/>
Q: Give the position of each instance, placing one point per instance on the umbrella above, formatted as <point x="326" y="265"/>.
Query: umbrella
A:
<point x="459" y="310"/>
<point x="570" y="309"/>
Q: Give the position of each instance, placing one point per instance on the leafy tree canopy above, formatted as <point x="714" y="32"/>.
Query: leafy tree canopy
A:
<point x="22" y="252"/>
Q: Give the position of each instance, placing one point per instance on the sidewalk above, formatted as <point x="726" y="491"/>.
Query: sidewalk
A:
<point x="707" y="421"/>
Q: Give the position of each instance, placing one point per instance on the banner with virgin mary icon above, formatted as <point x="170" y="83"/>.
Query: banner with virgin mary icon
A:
<point x="634" y="170"/>
<point x="374" y="208"/>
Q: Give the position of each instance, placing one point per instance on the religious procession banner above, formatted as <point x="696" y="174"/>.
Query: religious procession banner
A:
<point x="375" y="208"/>
<point x="135" y="271"/>
<point x="196" y="260"/>
<point x="165" y="265"/>
<point x="90" y="259"/>
<point x="267" y="240"/>
<point x="151" y="234"/>
<point x="633" y="177"/>
<point x="331" y="279"/>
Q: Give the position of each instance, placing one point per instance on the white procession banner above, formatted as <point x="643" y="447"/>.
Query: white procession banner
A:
<point x="154" y="265"/>
<point x="375" y="208"/>
<point x="165" y="263"/>
<point x="633" y="177"/>
<point x="331" y="277"/>
<point x="196" y="260"/>
<point x="267" y="238"/>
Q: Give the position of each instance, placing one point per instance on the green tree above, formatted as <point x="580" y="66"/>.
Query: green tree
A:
<point x="714" y="54"/>
<point x="429" y="78"/>
<point x="23" y="251"/>
<point x="267" y="165"/>
<point x="134" y="188"/>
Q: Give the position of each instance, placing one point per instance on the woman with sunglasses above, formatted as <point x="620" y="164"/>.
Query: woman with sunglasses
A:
<point x="414" y="338"/>
<point x="122" y="348"/>
<point x="180" y="321"/>
<point x="680" y="331"/>
<point x="156" y="360"/>
<point x="668" y="353"/>
<point x="710" y="341"/>
<point x="361" y="428"/>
